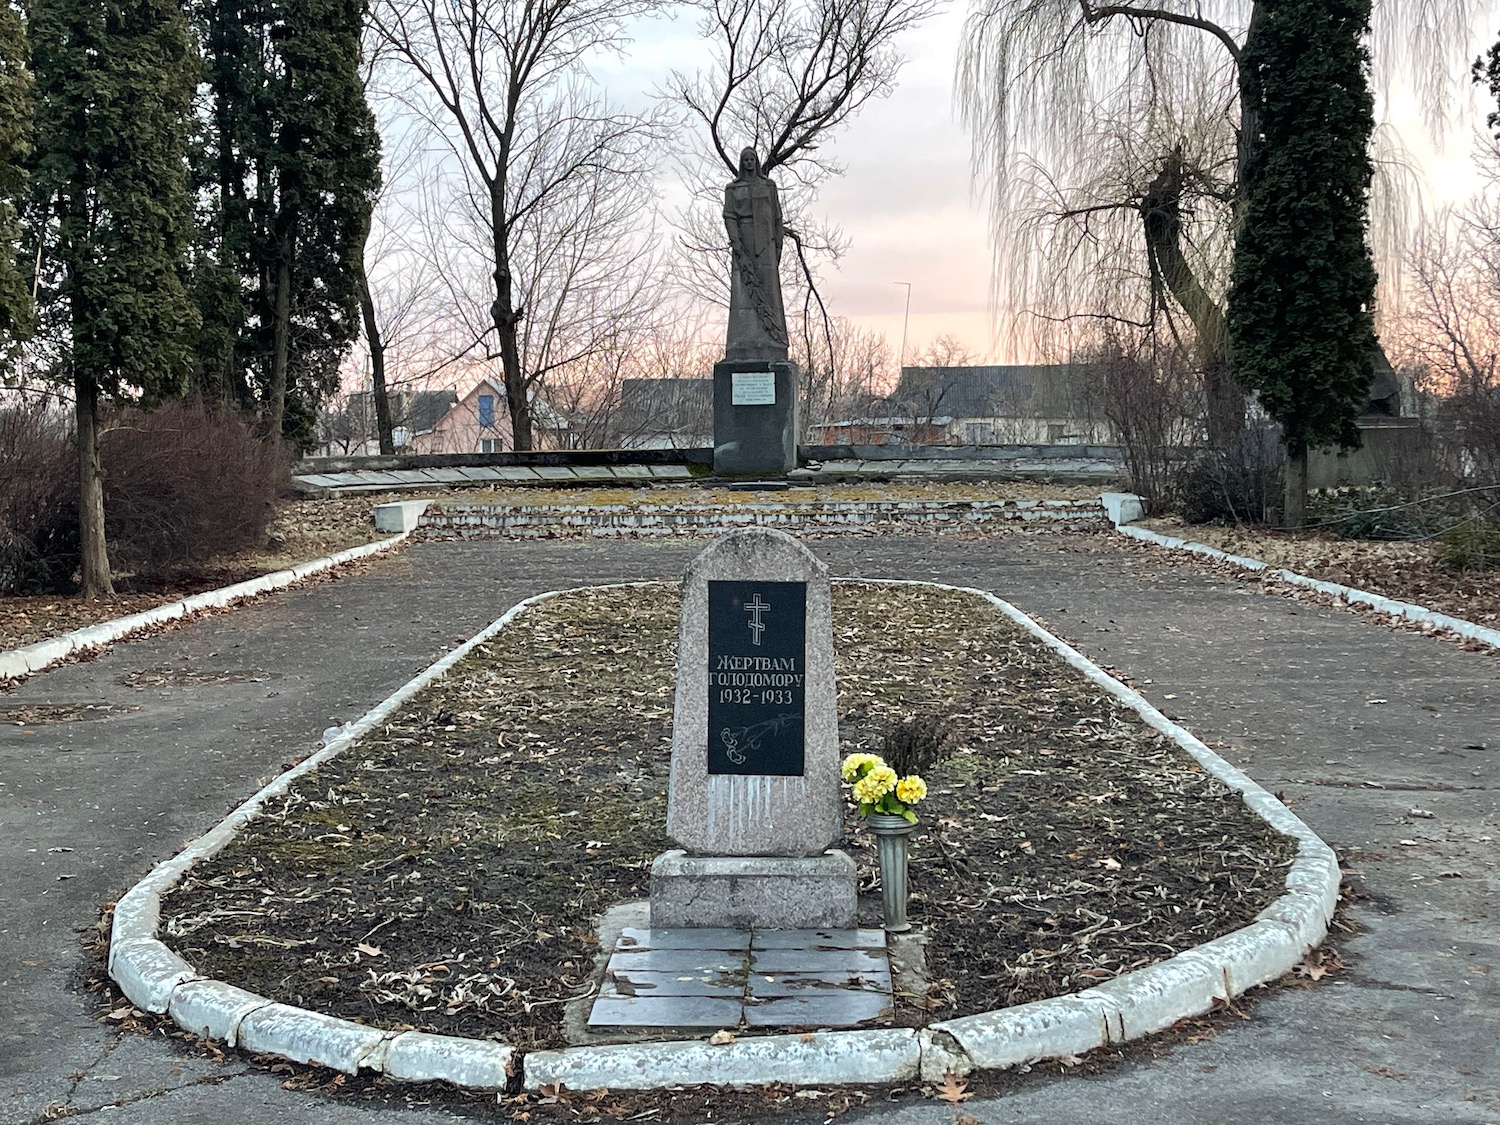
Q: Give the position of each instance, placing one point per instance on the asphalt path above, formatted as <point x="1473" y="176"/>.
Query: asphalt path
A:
<point x="1356" y="724"/>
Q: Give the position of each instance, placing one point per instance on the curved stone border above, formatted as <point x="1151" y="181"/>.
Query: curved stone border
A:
<point x="1348" y="594"/>
<point x="1130" y="1006"/>
<point x="18" y="663"/>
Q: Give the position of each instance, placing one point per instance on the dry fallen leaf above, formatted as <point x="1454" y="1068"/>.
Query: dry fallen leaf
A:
<point x="952" y="1089"/>
<point x="721" y="1038"/>
<point x="1317" y="964"/>
<point x="369" y="950"/>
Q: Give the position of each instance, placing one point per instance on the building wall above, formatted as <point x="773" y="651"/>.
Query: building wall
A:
<point x="469" y="427"/>
<point x="1028" y="431"/>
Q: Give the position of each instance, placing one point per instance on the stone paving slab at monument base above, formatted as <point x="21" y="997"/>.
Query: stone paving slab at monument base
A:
<point x="398" y="480"/>
<point x="1084" y="466"/>
<point x="715" y="977"/>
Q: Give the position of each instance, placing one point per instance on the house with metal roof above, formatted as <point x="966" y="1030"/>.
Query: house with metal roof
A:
<point x="990" y="404"/>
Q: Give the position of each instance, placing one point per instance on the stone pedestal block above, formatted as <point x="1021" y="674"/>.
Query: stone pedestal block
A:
<point x="755" y="417"/>
<point x="769" y="892"/>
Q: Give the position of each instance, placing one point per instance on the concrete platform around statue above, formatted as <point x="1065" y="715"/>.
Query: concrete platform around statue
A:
<point x="723" y="977"/>
<point x="767" y="892"/>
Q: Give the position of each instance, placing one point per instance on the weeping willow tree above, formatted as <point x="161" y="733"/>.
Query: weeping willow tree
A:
<point x="1110" y="140"/>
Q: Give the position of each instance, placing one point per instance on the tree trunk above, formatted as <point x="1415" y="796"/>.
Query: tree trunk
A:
<point x="1247" y="144"/>
<point x="377" y="367"/>
<point x="1294" y="499"/>
<point x="92" y="550"/>
<point x="1161" y="214"/>
<point x="280" y="349"/>
<point x="507" y="320"/>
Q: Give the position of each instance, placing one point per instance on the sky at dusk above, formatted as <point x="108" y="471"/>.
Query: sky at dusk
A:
<point x="903" y="199"/>
<point x="906" y="199"/>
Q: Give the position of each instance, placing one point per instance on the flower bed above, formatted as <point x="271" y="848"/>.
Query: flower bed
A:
<point x="445" y="873"/>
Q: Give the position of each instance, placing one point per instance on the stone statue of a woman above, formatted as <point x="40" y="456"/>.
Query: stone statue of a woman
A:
<point x="752" y="216"/>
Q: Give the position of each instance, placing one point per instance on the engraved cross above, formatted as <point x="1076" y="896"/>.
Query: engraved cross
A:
<point x="755" y="608"/>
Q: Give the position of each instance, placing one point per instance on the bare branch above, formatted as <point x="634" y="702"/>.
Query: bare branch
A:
<point x="1092" y="14"/>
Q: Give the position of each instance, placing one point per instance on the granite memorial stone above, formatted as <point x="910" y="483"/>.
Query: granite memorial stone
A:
<point x="754" y="799"/>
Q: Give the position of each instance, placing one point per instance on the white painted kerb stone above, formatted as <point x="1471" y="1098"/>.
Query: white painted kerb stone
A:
<point x="19" y="662"/>
<point x="1348" y="594"/>
<point x="478" y="1064"/>
<point x="851" y="1057"/>
<point x="311" y="1037"/>
<point x="1127" y="1007"/>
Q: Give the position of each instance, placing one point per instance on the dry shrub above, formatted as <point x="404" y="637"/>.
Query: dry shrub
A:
<point x="1240" y="483"/>
<point x="915" y="743"/>
<point x="1468" y="422"/>
<point x="1152" y="399"/>
<point x="38" y="498"/>
<point x="186" y="483"/>
<point x="1471" y="545"/>
<point x="182" y="484"/>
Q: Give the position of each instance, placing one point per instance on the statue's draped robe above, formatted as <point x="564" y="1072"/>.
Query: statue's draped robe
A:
<point x="757" y="320"/>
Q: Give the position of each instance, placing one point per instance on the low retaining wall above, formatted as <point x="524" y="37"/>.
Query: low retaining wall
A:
<point x="531" y="521"/>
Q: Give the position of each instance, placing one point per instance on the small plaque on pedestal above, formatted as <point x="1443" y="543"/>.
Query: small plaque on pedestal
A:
<point x="752" y="388"/>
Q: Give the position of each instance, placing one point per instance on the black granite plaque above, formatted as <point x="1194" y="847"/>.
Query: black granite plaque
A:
<point x="757" y="677"/>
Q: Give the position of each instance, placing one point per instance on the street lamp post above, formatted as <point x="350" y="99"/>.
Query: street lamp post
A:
<point x="905" y="319"/>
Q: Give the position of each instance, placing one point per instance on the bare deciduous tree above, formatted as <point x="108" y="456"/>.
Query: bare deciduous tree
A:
<point x="784" y="75"/>
<point x="547" y="161"/>
<point x="846" y="371"/>
<point x="1450" y="334"/>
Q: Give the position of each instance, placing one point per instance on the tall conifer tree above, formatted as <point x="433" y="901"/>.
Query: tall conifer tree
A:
<point x="115" y="83"/>
<point x="1301" y="302"/>
<point x="15" y="146"/>
<point x="292" y="158"/>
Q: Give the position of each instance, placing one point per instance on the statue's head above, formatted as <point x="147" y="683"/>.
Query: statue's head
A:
<point x="749" y="162"/>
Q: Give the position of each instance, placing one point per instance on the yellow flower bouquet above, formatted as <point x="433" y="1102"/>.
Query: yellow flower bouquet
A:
<point x="878" y="789"/>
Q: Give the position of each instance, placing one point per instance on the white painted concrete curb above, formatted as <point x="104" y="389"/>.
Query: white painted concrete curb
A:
<point x="17" y="663"/>
<point x="1419" y="614"/>
<point x="157" y="980"/>
<point x="1133" y="1005"/>
<point x="1188" y="984"/>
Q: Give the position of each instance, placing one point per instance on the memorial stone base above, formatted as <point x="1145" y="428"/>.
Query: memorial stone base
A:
<point x="768" y="892"/>
<point x="755" y="417"/>
<point x="693" y="980"/>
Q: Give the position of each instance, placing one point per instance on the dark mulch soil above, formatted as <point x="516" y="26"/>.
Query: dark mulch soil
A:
<point x="446" y="873"/>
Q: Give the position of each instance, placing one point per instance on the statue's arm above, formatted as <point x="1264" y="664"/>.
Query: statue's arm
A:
<point x="732" y="222"/>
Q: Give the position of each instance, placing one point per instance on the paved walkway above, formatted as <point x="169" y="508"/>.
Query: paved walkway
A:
<point x="1355" y="723"/>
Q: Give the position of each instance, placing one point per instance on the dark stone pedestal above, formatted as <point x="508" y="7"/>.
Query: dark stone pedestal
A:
<point x="751" y="434"/>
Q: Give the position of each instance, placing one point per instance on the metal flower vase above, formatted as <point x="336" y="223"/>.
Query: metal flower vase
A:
<point x="892" y="837"/>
